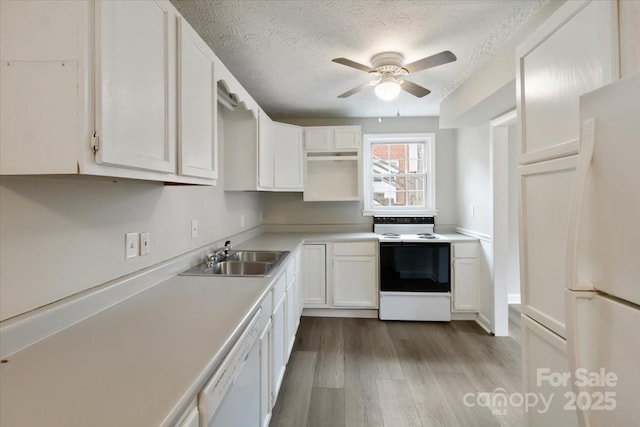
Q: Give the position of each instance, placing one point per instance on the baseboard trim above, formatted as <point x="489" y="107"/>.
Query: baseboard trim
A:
<point x="26" y="329"/>
<point x="464" y="316"/>
<point x="333" y="312"/>
<point x="475" y="234"/>
<point x="484" y="323"/>
<point x="514" y="299"/>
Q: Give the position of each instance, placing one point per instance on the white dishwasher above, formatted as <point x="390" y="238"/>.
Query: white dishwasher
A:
<point x="232" y="396"/>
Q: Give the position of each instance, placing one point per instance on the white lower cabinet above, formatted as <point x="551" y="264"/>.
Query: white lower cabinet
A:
<point x="355" y="282"/>
<point x="464" y="287"/>
<point x="348" y="281"/>
<point x="266" y="401"/>
<point x="278" y="362"/>
<point x="291" y="318"/>
<point x="314" y="275"/>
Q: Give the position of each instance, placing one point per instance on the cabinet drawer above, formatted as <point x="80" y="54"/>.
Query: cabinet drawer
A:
<point x="278" y="289"/>
<point x="355" y="248"/>
<point x="266" y="310"/>
<point x="465" y="250"/>
<point x="291" y="268"/>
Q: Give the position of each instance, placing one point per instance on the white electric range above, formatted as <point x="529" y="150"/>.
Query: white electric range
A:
<point x="415" y="270"/>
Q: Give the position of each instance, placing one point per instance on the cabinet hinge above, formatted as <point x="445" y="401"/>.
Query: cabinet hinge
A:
<point x="95" y="142"/>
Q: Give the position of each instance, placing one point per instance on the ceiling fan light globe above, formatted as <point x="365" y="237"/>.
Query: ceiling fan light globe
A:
<point x="387" y="91"/>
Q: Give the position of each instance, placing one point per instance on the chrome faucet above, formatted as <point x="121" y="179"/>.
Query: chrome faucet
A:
<point x="220" y="255"/>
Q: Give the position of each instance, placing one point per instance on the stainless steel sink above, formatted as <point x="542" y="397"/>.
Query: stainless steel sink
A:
<point x="240" y="268"/>
<point x="240" y="264"/>
<point x="255" y="256"/>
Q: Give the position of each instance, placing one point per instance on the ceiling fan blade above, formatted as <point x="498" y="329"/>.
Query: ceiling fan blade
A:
<point x="441" y="58"/>
<point x="354" y="90"/>
<point x="414" y="89"/>
<point x="353" y="64"/>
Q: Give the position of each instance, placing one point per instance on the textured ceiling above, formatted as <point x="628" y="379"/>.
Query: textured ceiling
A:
<point x="281" y="51"/>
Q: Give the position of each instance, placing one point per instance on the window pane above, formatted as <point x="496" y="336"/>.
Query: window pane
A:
<point x="379" y="199"/>
<point x="415" y="183"/>
<point x="415" y="198"/>
<point x="380" y="151"/>
<point x="399" y="199"/>
<point x="398" y="182"/>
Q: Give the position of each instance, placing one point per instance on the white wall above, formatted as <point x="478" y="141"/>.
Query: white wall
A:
<point x="63" y="236"/>
<point x="288" y="208"/>
<point x="473" y="178"/>
<point x="473" y="187"/>
<point x="490" y="90"/>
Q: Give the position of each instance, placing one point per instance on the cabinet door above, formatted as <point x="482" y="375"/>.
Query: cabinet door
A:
<point x="355" y="282"/>
<point x="544" y="208"/>
<point x="465" y="291"/>
<point x="314" y="275"/>
<point x="287" y="157"/>
<point x="347" y="138"/>
<point x="320" y="138"/>
<point x="545" y="352"/>
<point x="265" y="375"/>
<point x="277" y="348"/>
<point x="299" y="285"/>
<point x="197" y="106"/>
<point x="135" y="102"/>
<point x="572" y="53"/>
<point x="265" y="151"/>
<point x="292" y="323"/>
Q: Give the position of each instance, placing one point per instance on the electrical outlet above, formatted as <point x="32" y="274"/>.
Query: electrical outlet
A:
<point x="131" y="245"/>
<point x="242" y="220"/>
<point x="194" y="228"/>
<point x="472" y="210"/>
<point x="145" y="243"/>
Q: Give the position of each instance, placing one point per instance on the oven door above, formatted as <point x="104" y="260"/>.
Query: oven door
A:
<point x="415" y="267"/>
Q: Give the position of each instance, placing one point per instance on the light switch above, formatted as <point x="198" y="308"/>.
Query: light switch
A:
<point x="242" y="220"/>
<point x="145" y="243"/>
<point x="131" y="245"/>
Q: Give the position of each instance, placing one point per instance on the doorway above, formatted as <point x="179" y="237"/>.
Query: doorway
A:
<point x="506" y="254"/>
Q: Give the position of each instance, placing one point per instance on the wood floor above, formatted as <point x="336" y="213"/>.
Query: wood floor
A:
<point x="367" y="372"/>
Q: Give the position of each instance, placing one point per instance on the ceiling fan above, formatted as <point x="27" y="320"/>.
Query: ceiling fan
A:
<point x="389" y="72"/>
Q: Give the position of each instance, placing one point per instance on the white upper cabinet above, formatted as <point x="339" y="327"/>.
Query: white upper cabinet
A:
<point x="572" y="53"/>
<point x="318" y="138"/>
<point x="332" y="138"/>
<point x="135" y="57"/>
<point x="109" y="88"/>
<point x="288" y="158"/>
<point x="277" y="154"/>
<point x="197" y="106"/>
<point x="347" y="137"/>
<point x="265" y="151"/>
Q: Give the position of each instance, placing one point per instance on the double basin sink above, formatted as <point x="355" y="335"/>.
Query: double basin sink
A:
<point x="240" y="263"/>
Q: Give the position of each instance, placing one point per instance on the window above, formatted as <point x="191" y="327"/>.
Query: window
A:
<point x="399" y="174"/>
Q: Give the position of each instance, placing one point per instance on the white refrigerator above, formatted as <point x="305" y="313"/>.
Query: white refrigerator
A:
<point x="603" y="260"/>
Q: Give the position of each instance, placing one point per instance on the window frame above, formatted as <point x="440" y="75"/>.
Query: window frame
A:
<point x="429" y="141"/>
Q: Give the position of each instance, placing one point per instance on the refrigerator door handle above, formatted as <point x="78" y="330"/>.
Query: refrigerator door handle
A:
<point x="572" y="300"/>
<point x="587" y="142"/>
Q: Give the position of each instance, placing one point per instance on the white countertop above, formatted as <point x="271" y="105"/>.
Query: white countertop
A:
<point x="142" y="361"/>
